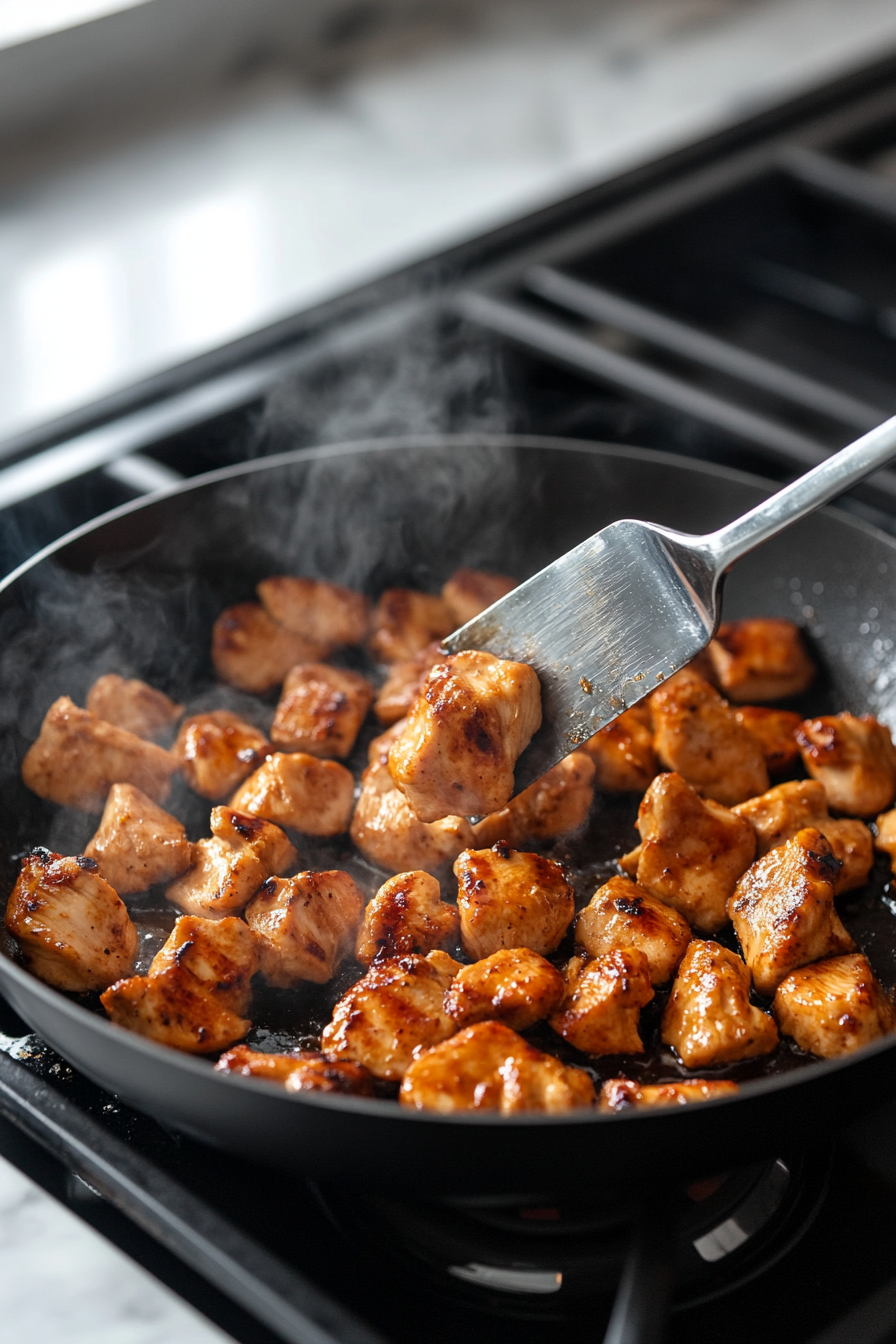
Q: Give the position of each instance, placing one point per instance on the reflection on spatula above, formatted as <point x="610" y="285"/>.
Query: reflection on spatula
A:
<point x="606" y="623"/>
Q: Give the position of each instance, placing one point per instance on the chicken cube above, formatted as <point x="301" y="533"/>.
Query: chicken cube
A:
<point x="507" y="898"/>
<point x="469" y="592"/>
<point x="326" y="614"/>
<point x="78" y="757"/>
<point x="709" y="1018"/>
<point x="886" y="837"/>
<point x="621" y="1094"/>
<point x="761" y="659"/>
<point x="305" y="926"/>
<point x="776" y="731"/>
<point x="300" y="1071"/>
<point x="834" y="1006"/>
<point x="783" y="909"/>
<point x="622" y="914"/>
<point x="392" y="1013"/>
<point x="555" y="805"/>
<point x="407" y="914"/>
<point x="253" y="653"/>
<point x="514" y="986"/>
<point x="776" y="817"/>
<point x="474" y="717"/>
<point x="854" y="758"/>
<point x="623" y="754"/>
<point x="321" y="710"/>
<point x="698" y="735"/>
<point x="388" y="834"/>
<point x="228" y="869"/>
<point x="603" y="1000"/>
<point x="138" y="844"/>
<point x="405" y="621"/>
<point x="405" y="682"/>
<point x="379" y="747"/>
<point x="133" y="705"/>
<point x="217" y="750"/>
<point x="73" y="929"/>
<point x="488" y="1067"/>
<point x="299" y="791"/>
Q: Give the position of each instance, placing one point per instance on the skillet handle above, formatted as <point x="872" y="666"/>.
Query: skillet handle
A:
<point x="641" y="1308"/>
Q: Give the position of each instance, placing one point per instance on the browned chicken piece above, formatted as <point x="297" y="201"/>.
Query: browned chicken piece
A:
<point x="776" y="731"/>
<point x="698" y="735"/>
<point x="388" y="834"/>
<point x="709" y="1018"/>
<point x="73" y="929"/>
<point x="761" y="659"/>
<point x="622" y="914"/>
<point x="833" y="1007"/>
<point x="555" y="805"/>
<point x="303" y="1071"/>
<point x="464" y="733"/>
<point x="515" y="986"/>
<point x="253" y="652"/>
<point x="197" y="992"/>
<point x="133" y="705"/>
<point x="378" y="748"/>
<point x="301" y="792"/>
<point x="321" y="709"/>
<point x="623" y="754"/>
<point x="776" y="817"/>
<point x="78" y="757"/>
<point x="217" y="750"/>
<point x="886" y="836"/>
<point x="326" y="614"/>
<point x="693" y="851"/>
<point x="469" y="592"/>
<point x="507" y="898"/>
<point x="783" y="909"/>
<point x="488" y="1067"/>
<point x="405" y="621"/>
<point x="604" y="996"/>
<point x="137" y="844"/>
<point x="407" y="914"/>
<point x="305" y="926"/>
<point x="228" y="869"/>
<point x="621" y="1094"/>
<point x="854" y="758"/>
<point x="405" y="682"/>
<point x="393" y="1012"/>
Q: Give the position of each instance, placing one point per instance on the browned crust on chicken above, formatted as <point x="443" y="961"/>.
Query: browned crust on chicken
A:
<point x="217" y="750"/>
<point x="603" y="1001"/>
<point x="326" y="614"/>
<point x="469" y="592"/>
<point x="623" y="753"/>
<point x="254" y="653"/>
<point x="555" y="805"/>
<point x="778" y="815"/>
<point x="621" y="1094"/>
<point x="854" y="758"/>
<point x="697" y="734"/>
<point x="301" y="792"/>
<point x="407" y="914"/>
<point x="775" y="730"/>
<point x="138" y="844"/>
<point x="514" y="986"/>
<point x="305" y="925"/>
<point x="405" y="621"/>
<point x="622" y="914"/>
<point x="763" y="658"/>
<point x="507" y="898"/>
<point x="709" y="1018"/>
<point x="228" y="869"/>
<point x="321" y="710"/>
<point x="300" y="1071"/>
<point x="133" y="705"/>
<point x="405" y="682"/>
<point x="387" y="833"/>
<point x="834" y="1006"/>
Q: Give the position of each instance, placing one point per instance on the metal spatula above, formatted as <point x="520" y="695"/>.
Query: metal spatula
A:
<point x="606" y="623"/>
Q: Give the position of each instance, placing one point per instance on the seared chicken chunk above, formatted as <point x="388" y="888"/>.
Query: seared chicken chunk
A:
<point x="620" y="1094"/>
<point x="776" y="817"/>
<point x="510" y="899"/>
<point x="776" y="731"/>
<point x="886" y="836"/>
<point x="405" y="682"/>
<point x="405" y="621"/>
<point x="387" y="833"/>
<point x="515" y="986"/>
<point x="133" y="705"/>
<point x="474" y="717"/>
<point x="406" y="915"/>
<point x="73" y="929"/>
<point x="321" y="709"/>
<point x="833" y="1007"/>
<point x="217" y="750"/>
<point x="555" y="805"/>
<point x="783" y="909"/>
<point x="698" y="735"/>
<point x="760" y="659"/>
<point x="604" y="996"/>
<point x="78" y="757"/>
<point x="469" y="592"/>
<point x="303" y="1071"/>
<point x="393" y="1012"/>
<point x="299" y="791"/>
<point x="137" y="844"/>
<point x="326" y="614"/>
<point x="379" y="747"/>
<point x="709" y="1018"/>
<point x="252" y="652"/>
<point x="854" y="758"/>
<point x="692" y="851"/>
<point x="305" y="926"/>
<point x="198" y="989"/>
<point x="623" y="753"/>
<point x="488" y="1067"/>
<point x="622" y="914"/>
<point x="228" y="869"/>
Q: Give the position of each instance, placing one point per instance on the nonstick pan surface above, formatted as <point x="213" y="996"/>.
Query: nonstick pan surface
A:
<point x="137" y="592"/>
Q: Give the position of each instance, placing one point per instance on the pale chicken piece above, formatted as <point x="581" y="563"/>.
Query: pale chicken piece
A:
<point x="472" y="720"/>
<point x="299" y="791"/>
<point x="132" y="704"/>
<point x="621" y="1094"/>
<point x="709" y="1018"/>
<point x="623" y="754"/>
<point x="321" y="710"/>
<point x="603" y="1000"/>
<point x="775" y="730"/>
<point x="378" y="748"/>
<point x="761" y="659"/>
<point x="387" y="833"/>
<point x="469" y="592"/>
<point x="488" y="1067"/>
<point x="407" y="914"/>
<point x="73" y="929"/>
<point x="405" y="682"/>
<point x="854" y="758"/>
<point x="405" y="621"/>
<point x="228" y="869"/>
<point x="396" y="1010"/>
<point x="886" y="836"/>
<point x="778" y="815"/>
<point x="78" y="757"/>
<point x="622" y="914"/>
<point x="698" y="735"/>
<point x="555" y="805"/>
<point x="507" y="898"/>
<point x="217" y="750"/>
<point x="515" y="986"/>
<point x="137" y="843"/>
<point x="197" y="992"/>
<point x="253" y="652"/>
<point x="303" y="1071"/>
<point x="692" y="851"/>
<point x="305" y="926"/>
<point x="783" y="909"/>
<point x="834" y="1006"/>
<point x="326" y="614"/>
